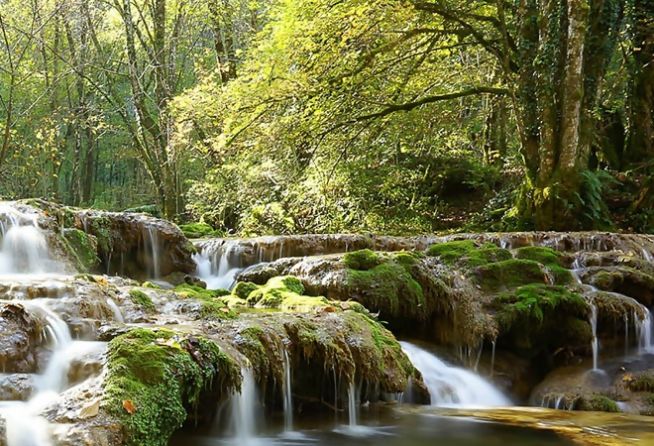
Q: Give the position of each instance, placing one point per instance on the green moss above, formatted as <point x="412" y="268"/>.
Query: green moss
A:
<point x="275" y="292"/>
<point x="198" y="230"/>
<point x="467" y="253"/>
<point x="533" y="302"/>
<point x="362" y="260"/>
<point x="553" y="260"/>
<point x="84" y="248"/>
<point x="597" y="403"/>
<point x="389" y="287"/>
<point x="197" y="292"/>
<point x="142" y="300"/>
<point x="243" y="289"/>
<point x="509" y="274"/>
<point x="642" y="383"/>
<point x="151" y="285"/>
<point x="546" y="256"/>
<point x="212" y="304"/>
<point x="536" y="318"/>
<point x="155" y="379"/>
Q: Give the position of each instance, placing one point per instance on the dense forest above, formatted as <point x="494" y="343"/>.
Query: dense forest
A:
<point x="314" y="116"/>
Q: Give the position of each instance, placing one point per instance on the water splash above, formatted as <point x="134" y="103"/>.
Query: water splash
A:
<point x="453" y="386"/>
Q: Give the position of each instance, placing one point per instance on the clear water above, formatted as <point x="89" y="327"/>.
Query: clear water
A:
<point x="391" y="428"/>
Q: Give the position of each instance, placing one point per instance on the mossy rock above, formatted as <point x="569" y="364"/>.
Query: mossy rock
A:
<point x="157" y="378"/>
<point x="198" y="230"/>
<point x="84" y="249"/>
<point x="542" y="318"/>
<point x="510" y="274"/>
<point x="197" y="292"/>
<point x="643" y="382"/>
<point x="362" y="260"/>
<point x="555" y="262"/>
<point x="212" y="305"/>
<point x="142" y="300"/>
<point x="466" y="252"/>
<point x="625" y="280"/>
<point x="243" y="289"/>
<point x="597" y="403"/>
<point x="389" y="287"/>
<point x="285" y="293"/>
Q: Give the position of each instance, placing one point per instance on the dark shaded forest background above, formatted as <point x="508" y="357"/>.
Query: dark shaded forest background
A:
<point x="311" y="116"/>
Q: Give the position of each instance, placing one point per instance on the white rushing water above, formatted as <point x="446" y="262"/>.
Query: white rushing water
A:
<point x="244" y="415"/>
<point x="352" y="405"/>
<point x="453" y="386"/>
<point x="288" y="394"/>
<point x="23" y="245"/>
<point x="217" y="266"/>
<point x="154" y="246"/>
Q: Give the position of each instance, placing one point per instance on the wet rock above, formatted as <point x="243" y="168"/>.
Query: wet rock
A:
<point x="16" y="386"/>
<point x="20" y="335"/>
<point x="137" y="245"/>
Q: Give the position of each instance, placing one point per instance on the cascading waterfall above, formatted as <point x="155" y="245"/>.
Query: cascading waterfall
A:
<point x="24" y="424"/>
<point x="243" y="414"/>
<point x="453" y="386"/>
<point x="24" y="247"/>
<point x="644" y="332"/>
<point x="288" y="394"/>
<point x="594" y="341"/>
<point x="352" y="405"/>
<point x="154" y="248"/>
<point x="216" y="266"/>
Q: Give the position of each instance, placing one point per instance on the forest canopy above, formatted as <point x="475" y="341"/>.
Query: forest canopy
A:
<point x="312" y="116"/>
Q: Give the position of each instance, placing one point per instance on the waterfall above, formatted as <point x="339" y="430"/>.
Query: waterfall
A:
<point x="594" y="341"/>
<point x="115" y="310"/>
<point x="243" y="410"/>
<point x="453" y="386"/>
<point x="644" y="332"/>
<point x="288" y="394"/>
<point x="23" y="247"/>
<point x="217" y="266"/>
<point x="154" y="248"/>
<point x="352" y="405"/>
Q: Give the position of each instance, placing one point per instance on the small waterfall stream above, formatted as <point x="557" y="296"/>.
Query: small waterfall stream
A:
<point x="217" y="267"/>
<point x="24" y="251"/>
<point x="243" y="416"/>
<point x="288" y="394"/>
<point x="453" y="386"/>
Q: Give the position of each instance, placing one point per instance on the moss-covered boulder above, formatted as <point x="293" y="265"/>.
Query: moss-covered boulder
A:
<point x="468" y="253"/>
<point x="198" y="230"/>
<point x="327" y="350"/>
<point x="158" y="379"/>
<point x="211" y="304"/>
<point x="540" y="318"/>
<point x="624" y="280"/>
<point x="84" y="248"/>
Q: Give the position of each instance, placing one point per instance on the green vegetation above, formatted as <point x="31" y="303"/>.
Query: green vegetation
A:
<point x="155" y="380"/>
<point x="530" y="304"/>
<point x="468" y="253"/>
<point x="211" y="304"/>
<point x="643" y="382"/>
<point x="141" y="299"/>
<point x="198" y="230"/>
<point x="84" y="248"/>
<point x="305" y="116"/>
<point x="597" y="403"/>
<point x="384" y="282"/>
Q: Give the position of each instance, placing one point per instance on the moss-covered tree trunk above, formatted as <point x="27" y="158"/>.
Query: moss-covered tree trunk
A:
<point x="641" y="122"/>
<point x="562" y="45"/>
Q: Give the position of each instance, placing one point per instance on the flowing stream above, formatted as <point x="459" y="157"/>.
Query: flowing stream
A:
<point x="453" y="386"/>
